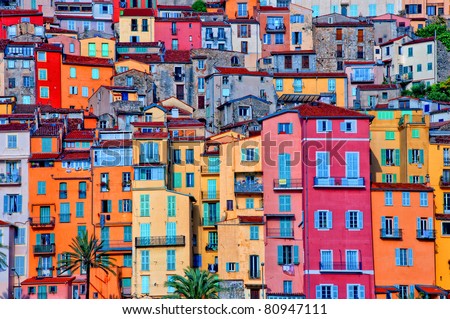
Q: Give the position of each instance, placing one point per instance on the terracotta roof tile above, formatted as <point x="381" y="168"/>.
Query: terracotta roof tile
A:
<point x="269" y="8"/>
<point x="385" y="289"/>
<point x="59" y="30"/>
<point x="240" y="71"/>
<point x="148" y="124"/>
<point x="370" y="87"/>
<point x="49" y="47"/>
<point x="84" y="60"/>
<point x="215" y="24"/>
<point x="431" y="290"/>
<point x="14" y="127"/>
<point x="138" y="44"/>
<point x="183" y="19"/>
<point x="138" y="12"/>
<point x="419" y="41"/>
<point x="47" y="280"/>
<point x="43" y="156"/>
<point x="251" y="219"/>
<point x="293" y="52"/>
<point x="48" y="130"/>
<point x="79" y="135"/>
<point x="310" y="74"/>
<point x="171" y="56"/>
<point x="150" y="135"/>
<point x="174" y="7"/>
<point x="401" y="187"/>
<point x="73" y="17"/>
<point x="319" y="109"/>
<point x="74" y="155"/>
<point x="20" y="12"/>
<point x="115" y="143"/>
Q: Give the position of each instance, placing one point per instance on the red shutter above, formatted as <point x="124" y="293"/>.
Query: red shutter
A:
<point x="249" y="33"/>
<point x="239" y="30"/>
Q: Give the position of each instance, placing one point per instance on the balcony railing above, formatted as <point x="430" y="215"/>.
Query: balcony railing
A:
<point x="211" y="247"/>
<point x="213" y="268"/>
<point x="426" y="234"/>
<point x="210" y="195"/>
<point x="294" y="183"/>
<point x="81" y="194"/>
<point x="42" y="222"/>
<point x="273" y="28"/>
<point x="45" y="272"/>
<point x="340" y="266"/>
<point x="10" y="179"/>
<point x="368" y="78"/>
<point x="210" y="221"/>
<point x="116" y="245"/>
<point x="339" y="182"/>
<point x="248" y="187"/>
<point x="44" y="249"/>
<point x="62" y="194"/>
<point x="446" y="209"/>
<point x="241" y="15"/>
<point x="160" y="241"/>
<point x="148" y="159"/>
<point x="391" y="233"/>
<point x="254" y="274"/>
<point x="210" y="169"/>
<point x="280" y="232"/>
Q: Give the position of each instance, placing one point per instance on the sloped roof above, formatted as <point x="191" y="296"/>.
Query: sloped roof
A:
<point x="412" y="187"/>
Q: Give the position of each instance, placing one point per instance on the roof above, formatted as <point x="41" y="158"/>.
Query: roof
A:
<point x="74" y="155"/>
<point x="431" y="290"/>
<point x="49" y="47"/>
<point x="59" y="30"/>
<point x="182" y="19"/>
<point x="182" y="122"/>
<point x="411" y="187"/>
<point x="442" y="216"/>
<point x="174" y="7"/>
<point x="138" y="12"/>
<point x="371" y="87"/>
<point x="151" y="135"/>
<point x="241" y="21"/>
<point x="250" y="96"/>
<point x="320" y="109"/>
<point x="47" y="280"/>
<point x="310" y="75"/>
<point x="236" y="124"/>
<point x="215" y="24"/>
<point x="293" y="52"/>
<point x="392" y="40"/>
<point x="115" y="143"/>
<point x="422" y="40"/>
<point x="84" y="60"/>
<point x="14" y="127"/>
<point x="239" y="71"/>
<point x="43" y="156"/>
<point x="353" y="62"/>
<point x="170" y="56"/>
<point x="48" y="130"/>
<point x="79" y="135"/>
<point x="270" y="8"/>
<point x="299" y="98"/>
<point x="19" y="12"/>
<point x="251" y="219"/>
<point x="385" y="289"/>
<point x="148" y="124"/>
<point x="138" y="44"/>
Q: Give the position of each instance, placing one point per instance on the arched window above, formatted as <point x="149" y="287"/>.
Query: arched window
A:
<point x="235" y="61"/>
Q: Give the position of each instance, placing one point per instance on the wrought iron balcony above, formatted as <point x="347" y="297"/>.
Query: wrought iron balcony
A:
<point x="280" y="232"/>
<point x="274" y="28"/>
<point x="160" y="241"/>
<point x="42" y="222"/>
<point x="209" y="169"/>
<point x="349" y="182"/>
<point x="254" y="274"/>
<point x="10" y="179"/>
<point x="340" y="266"/>
<point x="45" y="272"/>
<point x="211" y="247"/>
<point x="210" y="195"/>
<point x="248" y="187"/>
<point x="148" y="159"/>
<point x="446" y="161"/>
<point x="44" y="249"/>
<point x="213" y="268"/>
<point x="426" y="234"/>
<point x="369" y="78"/>
<point x="287" y="183"/>
<point x="210" y="221"/>
<point x="109" y="245"/>
<point x="391" y="233"/>
<point x="444" y="182"/>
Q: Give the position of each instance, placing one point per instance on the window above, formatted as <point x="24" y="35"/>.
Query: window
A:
<point x="348" y="126"/>
<point x="287" y="255"/>
<point x="11" y="64"/>
<point x="79" y="209"/>
<point x="315" y="10"/>
<point x="19" y="265"/>
<point x="176" y="156"/>
<point x="305" y="62"/>
<point x="279" y="84"/>
<point x="144" y="205"/>
<point x="232" y="267"/>
<point x="63" y="190"/>
<point x="11" y="83"/>
<point x="288" y="62"/>
<point x="171" y="206"/>
<point x="298" y="85"/>
<point x="95" y="74"/>
<point x="372" y="10"/>
<point x="326" y="260"/>
<point x="201" y="64"/>
<point x="242" y="10"/>
<point x="429" y="49"/>
<point x="287" y="286"/>
<point x="419" y="68"/>
<point x="323" y="219"/>
<point x="354" y="10"/>
<point x="189" y="179"/>
<point x="174" y="44"/>
<point x="145" y="284"/>
<point x="189" y="156"/>
<point x="360" y="35"/>
<point x="86" y="25"/>
<point x="355" y="291"/>
<point x="353" y="219"/>
<point x="390" y="157"/>
<point x="338" y="34"/>
<point x="389" y="135"/>
<point x="297" y="18"/>
<point x="145" y="260"/>
<point x="284" y="203"/>
<point x="229" y="204"/>
<point x="415" y="156"/>
<point x="71" y="48"/>
<point x="430" y="66"/>
<point x="73" y="90"/>
<point x="42" y="74"/>
<point x="390" y="8"/>
<point x="171" y="260"/>
<point x="323" y="126"/>
<point x="389" y="178"/>
<point x="105" y="49"/>
<point x="84" y="91"/>
<point x="267" y="39"/>
<point x="92" y="49"/>
<point x="250" y="154"/>
<point x="127" y="260"/>
<point x="19" y="238"/>
<point x="201" y="84"/>
<point x="406" y="199"/>
<point x="331" y="85"/>
<point x="254" y="232"/>
<point x="279" y="38"/>
<point x="403" y="257"/>
<point x="42" y="56"/>
<point x="352" y="260"/>
<point x="326" y="292"/>
<point x="12" y="141"/>
<point x="388" y="201"/>
<point x="244" y="47"/>
<point x="423" y="199"/>
<point x="100" y="26"/>
<point x="144" y="25"/>
<point x="82" y="190"/>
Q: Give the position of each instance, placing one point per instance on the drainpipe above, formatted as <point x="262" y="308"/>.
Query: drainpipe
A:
<point x="306" y="214"/>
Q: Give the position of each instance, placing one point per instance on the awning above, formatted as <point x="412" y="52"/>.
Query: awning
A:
<point x="299" y="98"/>
<point x="384" y="290"/>
<point x="431" y="290"/>
<point x="47" y="280"/>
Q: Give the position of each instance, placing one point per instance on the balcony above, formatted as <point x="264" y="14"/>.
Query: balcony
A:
<point x="160" y="241"/>
<point x="116" y="245"/>
<point x="287" y="184"/>
<point x="276" y="28"/>
<point x="248" y="187"/>
<point x="149" y="159"/>
<point x="213" y="268"/>
<point x="210" y="221"/>
<point x="393" y="233"/>
<point x="444" y="182"/>
<point x="45" y="272"/>
<point x="42" y="222"/>
<point x="212" y="170"/>
<point x="81" y="194"/>
<point x="362" y="79"/>
<point x="210" y="196"/>
<point x="211" y="247"/>
<point x="254" y="274"/>
<point x="446" y="161"/>
<point x="44" y="249"/>
<point x="405" y="77"/>
<point x="347" y="182"/>
<point x="340" y="266"/>
<point x="280" y="232"/>
<point x="241" y="14"/>
<point x="425" y="234"/>
<point x="10" y="179"/>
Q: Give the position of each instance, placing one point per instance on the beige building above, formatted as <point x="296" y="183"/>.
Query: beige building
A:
<point x="137" y="25"/>
<point x="98" y="47"/>
<point x="301" y="27"/>
<point x="246" y="39"/>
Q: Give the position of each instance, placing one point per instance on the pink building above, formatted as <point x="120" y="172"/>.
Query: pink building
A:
<point x="53" y="288"/>
<point x="274" y="29"/>
<point x="316" y="161"/>
<point x="179" y="33"/>
<point x="283" y="204"/>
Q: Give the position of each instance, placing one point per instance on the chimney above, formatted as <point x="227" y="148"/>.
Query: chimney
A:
<point x="40" y="8"/>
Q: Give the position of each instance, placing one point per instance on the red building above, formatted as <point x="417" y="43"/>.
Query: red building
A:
<point x="48" y="74"/>
<point x="179" y="33"/>
<point x="274" y="29"/>
<point x="13" y="17"/>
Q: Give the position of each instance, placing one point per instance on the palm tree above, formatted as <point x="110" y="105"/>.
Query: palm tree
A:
<point x="87" y="253"/>
<point x="196" y="284"/>
<point x="3" y="263"/>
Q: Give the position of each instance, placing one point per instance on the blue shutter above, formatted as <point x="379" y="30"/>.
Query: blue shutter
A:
<point x="397" y="157"/>
<point x="396" y="231"/>
<point x="360" y="220"/>
<point x="342" y="125"/>
<point x="19" y="203"/>
<point x="236" y="267"/>
<point x="421" y="156"/>
<point x="280" y="255"/>
<point x="318" y="292"/>
<point x="109" y="206"/>
<point x="361" y="292"/>
<point x="418" y="223"/>
<point x="227" y="267"/>
<point x="38" y="239"/>
<point x="430" y="224"/>
<point x="397" y="256"/>
<point x="205" y="213"/>
<point x="329" y="220"/>
<point x="411" y="291"/>
<point x="5" y="203"/>
<point x="120" y="206"/>
<point x="52" y="238"/>
<point x="383" y="223"/>
<point x="383" y="157"/>
<point x="347" y="219"/>
<point x="316" y="220"/>
<point x="329" y="126"/>
<point x="334" y="293"/>
<point x="410" y="257"/>
<point x="410" y="156"/>
<point x="296" y="260"/>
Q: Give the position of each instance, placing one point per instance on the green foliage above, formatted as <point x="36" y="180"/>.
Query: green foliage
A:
<point x="3" y="263"/>
<point x="199" y="6"/>
<point x="87" y="253"/>
<point x="438" y="27"/>
<point x="437" y="92"/>
<point x="196" y="284"/>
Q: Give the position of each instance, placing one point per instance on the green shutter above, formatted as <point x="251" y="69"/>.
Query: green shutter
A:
<point x="383" y="178"/>
<point x="109" y="202"/>
<point x="280" y="255"/>
<point x="395" y="178"/>
<point x="409" y="156"/>
<point x="176" y="180"/>
<point x="120" y="206"/>
<point x="296" y="259"/>
<point x="383" y="157"/>
<point x="421" y="154"/>
<point x="397" y="157"/>
<point x="205" y="213"/>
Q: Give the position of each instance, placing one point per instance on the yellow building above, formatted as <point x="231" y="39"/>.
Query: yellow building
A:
<point x="399" y="145"/>
<point x="124" y="65"/>
<point x="301" y="22"/>
<point x="98" y="47"/>
<point x="137" y="25"/>
<point x="331" y="85"/>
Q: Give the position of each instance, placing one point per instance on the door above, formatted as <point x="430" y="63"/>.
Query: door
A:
<point x="284" y="169"/>
<point x="75" y="293"/>
<point x="44" y="215"/>
<point x="212" y="190"/>
<point x="254" y="266"/>
<point x="254" y="293"/>
<point x="180" y="92"/>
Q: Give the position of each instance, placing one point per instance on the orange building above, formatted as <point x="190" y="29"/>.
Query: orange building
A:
<point x="403" y="240"/>
<point x="81" y="76"/>
<point x="274" y="29"/>
<point x="240" y="9"/>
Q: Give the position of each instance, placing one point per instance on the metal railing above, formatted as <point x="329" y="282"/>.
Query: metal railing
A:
<point x="44" y="249"/>
<point x="426" y="234"/>
<point x="244" y="187"/>
<point x="287" y="183"/>
<point x="158" y="241"/>
<point x="280" y="232"/>
<point x="10" y="179"/>
<point x="391" y="233"/>
<point x="276" y="27"/>
<point x="210" y="221"/>
<point x="116" y="245"/>
<point x="369" y="78"/>
<point x="210" y="195"/>
<point x="211" y="247"/>
<point x="148" y="159"/>
<point x="42" y="221"/>
<point x="210" y="169"/>
<point x="340" y="266"/>
<point x="339" y="181"/>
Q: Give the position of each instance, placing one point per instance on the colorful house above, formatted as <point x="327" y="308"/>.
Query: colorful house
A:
<point x="137" y="25"/>
<point x="9" y="17"/>
<point x="98" y="47"/>
<point x="48" y="75"/>
<point x="403" y="240"/>
<point x="179" y="33"/>
<point x="274" y="25"/>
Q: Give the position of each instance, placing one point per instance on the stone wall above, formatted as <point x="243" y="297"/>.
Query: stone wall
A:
<point x="443" y="67"/>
